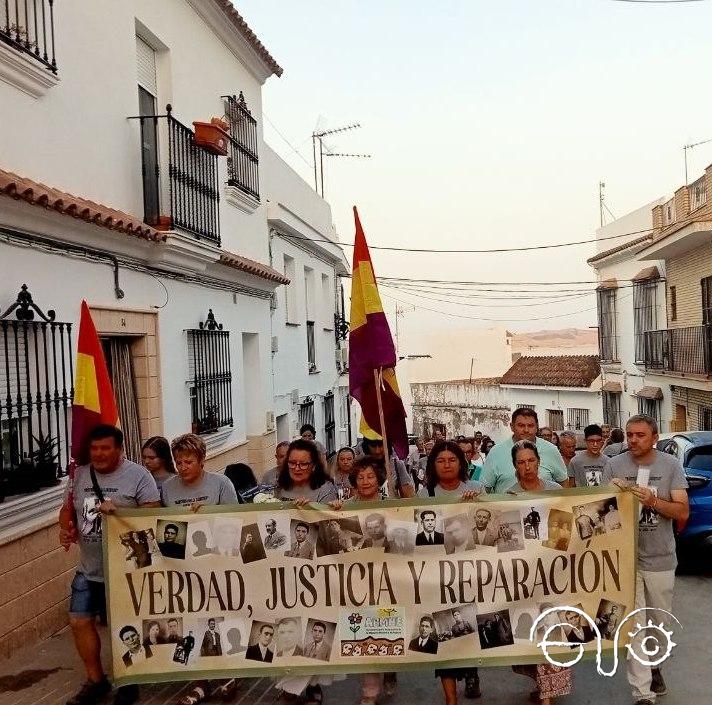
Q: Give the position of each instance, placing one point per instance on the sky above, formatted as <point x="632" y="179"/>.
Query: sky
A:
<point x="490" y="124"/>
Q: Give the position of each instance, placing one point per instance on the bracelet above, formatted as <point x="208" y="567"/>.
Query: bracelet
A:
<point x="654" y="505"/>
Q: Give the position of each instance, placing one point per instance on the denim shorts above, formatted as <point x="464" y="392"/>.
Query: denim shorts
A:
<point x="88" y="598"/>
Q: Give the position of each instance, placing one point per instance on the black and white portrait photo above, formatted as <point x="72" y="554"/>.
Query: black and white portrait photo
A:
<point x="456" y="622"/>
<point x="318" y="639"/>
<point x="261" y="642"/>
<point x="485" y="527"/>
<point x="251" y="548"/>
<point x="134" y="650"/>
<point x="401" y="537"/>
<point x="288" y="637"/>
<point x="429" y="531"/>
<point x="534" y="521"/>
<point x="511" y="532"/>
<point x="159" y="631"/>
<point x="577" y="629"/>
<point x="211" y="643"/>
<point x="274" y="533"/>
<point x="303" y="540"/>
<point x="495" y="629"/>
<point x="559" y="529"/>
<point x="171" y="537"/>
<point x="137" y="550"/>
<point x="458" y="534"/>
<point x="335" y="536"/>
<point x="185" y="651"/>
<point x="608" y="618"/>
<point x="425" y="639"/>
<point x="374" y="531"/>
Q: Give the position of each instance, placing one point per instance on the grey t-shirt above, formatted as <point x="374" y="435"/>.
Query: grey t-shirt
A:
<point x="212" y="488"/>
<point x="656" y="540"/>
<point x="326" y="493"/>
<point x="462" y="487"/>
<point x="130" y="485"/>
<point x="548" y="485"/>
<point x="588" y="471"/>
<point x="270" y="477"/>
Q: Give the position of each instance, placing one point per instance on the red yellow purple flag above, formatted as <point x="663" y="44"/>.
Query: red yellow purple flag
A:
<point x="371" y="349"/>
<point x="94" y="401"/>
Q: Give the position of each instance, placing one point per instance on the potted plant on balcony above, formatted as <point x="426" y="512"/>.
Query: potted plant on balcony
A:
<point x="212" y="136"/>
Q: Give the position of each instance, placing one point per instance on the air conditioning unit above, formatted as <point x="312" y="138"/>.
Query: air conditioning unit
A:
<point x="269" y="421"/>
<point x="275" y="344"/>
<point x="295" y="396"/>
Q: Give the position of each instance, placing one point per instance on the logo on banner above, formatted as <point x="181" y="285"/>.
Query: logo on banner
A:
<point x="373" y="632"/>
<point x="656" y="645"/>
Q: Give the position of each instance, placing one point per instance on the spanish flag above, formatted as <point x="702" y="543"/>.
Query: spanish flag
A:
<point x="371" y="350"/>
<point x="94" y="401"/>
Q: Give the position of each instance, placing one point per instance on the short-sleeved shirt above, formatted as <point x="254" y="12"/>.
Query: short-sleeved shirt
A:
<point x="587" y="470"/>
<point x="324" y="494"/>
<point x="212" y="488"/>
<point x="656" y="540"/>
<point x="498" y="472"/>
<point x="470" y="485"/>
<point x="270" y="477"/>
<point x="130" y="485"/>
<point x="547" y="485"/>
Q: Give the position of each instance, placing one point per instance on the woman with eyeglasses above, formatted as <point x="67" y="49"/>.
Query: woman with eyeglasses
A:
<point x="303" y="477"/>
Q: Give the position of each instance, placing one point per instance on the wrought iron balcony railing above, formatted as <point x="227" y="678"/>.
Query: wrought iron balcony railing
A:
<point x="680" y="350"/>
<point x="28" y="26"/>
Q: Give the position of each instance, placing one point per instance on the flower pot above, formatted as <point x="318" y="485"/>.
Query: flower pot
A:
<point x="211" y="137"/>
<point x="163" y="223"/>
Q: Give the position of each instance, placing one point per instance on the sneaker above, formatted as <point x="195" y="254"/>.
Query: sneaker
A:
<point x="91" y="692"/>
<point x="658" y="685"/>
<point x="126" y="695"/>
<point x="390" y="683"/>
<point x="472" y="687"/>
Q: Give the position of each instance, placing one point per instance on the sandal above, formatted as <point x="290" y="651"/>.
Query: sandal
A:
<point x="313" y="695"/>
<point x="227" y="690"/>
<point x="195" y="696"/>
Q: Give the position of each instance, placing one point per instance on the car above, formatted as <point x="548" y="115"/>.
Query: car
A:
<point x="694" y="450"/>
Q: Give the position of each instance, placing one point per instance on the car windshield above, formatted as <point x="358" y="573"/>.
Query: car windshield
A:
<point x="700" y="459"/>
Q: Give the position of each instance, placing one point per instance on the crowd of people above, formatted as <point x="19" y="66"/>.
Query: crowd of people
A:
<point x="531" y="459"/>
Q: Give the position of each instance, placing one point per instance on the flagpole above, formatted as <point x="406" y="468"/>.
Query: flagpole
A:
<point x="378" y="379"/>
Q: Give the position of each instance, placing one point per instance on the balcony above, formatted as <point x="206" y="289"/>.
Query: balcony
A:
<point x="28" y="27"/>
<point x="698" y="193"/>
<point x="680" y="351"/>
<point x="180" y="188"/>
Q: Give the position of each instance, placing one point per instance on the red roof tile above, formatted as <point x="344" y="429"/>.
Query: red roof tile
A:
<point x="554" y="371"/>
<point x="251" y="267"/>
<point x="238" y="21"/>
<point x="620" y="248"/>
<point x="38" y="194"/>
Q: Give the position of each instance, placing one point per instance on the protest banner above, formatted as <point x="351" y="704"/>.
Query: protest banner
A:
<point x="269" y="589"/>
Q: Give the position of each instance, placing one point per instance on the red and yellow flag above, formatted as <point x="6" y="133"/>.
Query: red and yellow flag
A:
<point x="94" y="401"/>
<point x="371" y="348"/>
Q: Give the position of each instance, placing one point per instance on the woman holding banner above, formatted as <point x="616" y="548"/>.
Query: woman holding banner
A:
<point x="551" y="681"/>
<point x="447" y="474"/>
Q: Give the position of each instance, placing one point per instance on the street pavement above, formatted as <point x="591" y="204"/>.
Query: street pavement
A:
<point x="48" y="673"/>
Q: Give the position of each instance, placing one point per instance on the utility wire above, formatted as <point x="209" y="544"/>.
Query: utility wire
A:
<point x="292" y="147"/>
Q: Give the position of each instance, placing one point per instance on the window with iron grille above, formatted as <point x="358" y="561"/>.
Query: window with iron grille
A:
<point x="329" y="424"/>
<point x="210" y="376"/>
<point x="612" y="409"/>
<point x="311" y="348"/>
<point x="673" y="303"/>
<point x="306" y="412"/>
<point x="651" y="407"/>
<point x="28" y="27"/>
<point x="36" y="393"/>
<point x="243" y="160"/>
<point x="576" y="419"/>
<point x="555" y="419"/>
<point x="705" y="420"/>
<point x="607" y="331"/>
<point x="644" y="312"/>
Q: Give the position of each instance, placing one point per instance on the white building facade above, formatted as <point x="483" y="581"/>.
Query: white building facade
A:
<point x="109" y="194"/>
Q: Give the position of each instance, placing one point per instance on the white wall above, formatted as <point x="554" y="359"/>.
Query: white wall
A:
<point x="543" y="398"/>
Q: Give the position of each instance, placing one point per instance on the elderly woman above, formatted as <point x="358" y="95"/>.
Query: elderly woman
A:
<point x="447" y="474"/>
<point x="551" y="681"/>
<point x="303" y="477"/>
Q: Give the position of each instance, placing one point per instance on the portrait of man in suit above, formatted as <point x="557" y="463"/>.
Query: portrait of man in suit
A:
<point x="273" y="539"/>
<point x="301" y="547"/>
<point x="318" y="646"/>
<point x="428" y="536"/>
<point x="211" y="645"/>
<point x="427" y="641"/>
<point x="136" y="650"/>
<point x="260" y="650"/>
<point x="170" y="547"/>
<point x="484" y="533"/>
<point x="288" y="638"/>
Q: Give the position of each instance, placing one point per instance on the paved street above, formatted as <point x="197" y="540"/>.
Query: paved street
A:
<point x="47" y="674"/>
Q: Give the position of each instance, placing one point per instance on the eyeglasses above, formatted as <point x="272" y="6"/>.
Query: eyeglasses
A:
<point x="302" y="466"/>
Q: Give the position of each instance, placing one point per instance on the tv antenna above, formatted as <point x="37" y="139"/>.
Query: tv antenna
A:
<point x="691" y="146"/>
<point x="319" y="136"/>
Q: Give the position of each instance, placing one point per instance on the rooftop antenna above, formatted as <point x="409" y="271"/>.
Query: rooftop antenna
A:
<point x="319" y="136"/>
<point x="691" y="146"/>
<point x="601" y="199"/>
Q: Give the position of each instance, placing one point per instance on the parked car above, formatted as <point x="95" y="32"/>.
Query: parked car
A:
<point x="694" y="450"/>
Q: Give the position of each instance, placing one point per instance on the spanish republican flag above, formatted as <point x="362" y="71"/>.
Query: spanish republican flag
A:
<point x="371" y="350"/>
<point x="94" y="401"/>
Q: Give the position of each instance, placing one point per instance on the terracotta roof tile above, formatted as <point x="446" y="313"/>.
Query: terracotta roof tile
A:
<point x="554" y="371"/>
<point x="238" y="21"/>
<point x="39" y="194"/>
<point x="647" y="274"/>
<point x="620" y="248"/>
<point x="649" y="393"/>
<point x="257" y="269"/>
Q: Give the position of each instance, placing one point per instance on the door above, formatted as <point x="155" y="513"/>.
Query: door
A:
<point x="149" y="155"/>
<point x="707" y="322"/>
